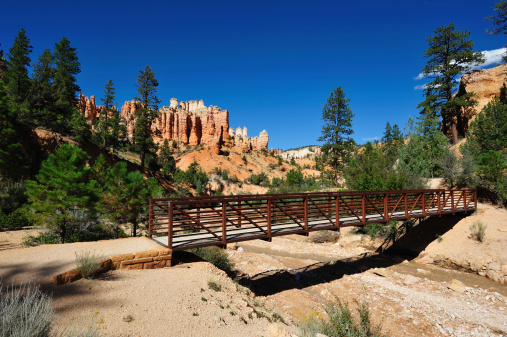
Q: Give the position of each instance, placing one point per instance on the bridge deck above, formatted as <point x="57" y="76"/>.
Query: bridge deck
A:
<point x="198" y="222"/>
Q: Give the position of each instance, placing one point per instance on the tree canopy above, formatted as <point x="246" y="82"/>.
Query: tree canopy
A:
<point x="336" y="130"/>
<point x="449" y="55"/>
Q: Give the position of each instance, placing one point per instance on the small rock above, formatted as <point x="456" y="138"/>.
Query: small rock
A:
<point x="383" y="272"/>
<point x="240" y="249"/>
<point x="457" y="286"/>
<point x="351" y="241"/>
<point x="409" y="280"/>
<point x="425" y="260"/>
<point x="494" y="276"/>
<point x="495" y="266"/>
<point x="423" y="271"/>
<point x="276" y="330"/>
<point x="405" y="261"/>
<point x="219" y="320"/>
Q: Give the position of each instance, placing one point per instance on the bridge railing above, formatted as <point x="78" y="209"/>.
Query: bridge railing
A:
<point x="208" y="220"/>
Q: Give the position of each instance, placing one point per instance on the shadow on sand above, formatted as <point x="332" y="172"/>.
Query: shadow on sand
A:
<point x="408" y="246"/>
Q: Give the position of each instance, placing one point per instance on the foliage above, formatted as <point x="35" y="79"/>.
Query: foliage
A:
<point x="42" y="99"/>
<point x="25" y="311"/>
<point x="65" y="87"/>
<point x="125" y="196"/>
<point x="63" y="192"/>
<point x="392" y="140"/>
<point x="371" y="170"/>
<point x="16" y="74"/>
<point x="166" y="160"/>
<point x="340" y="322"/>
<point x="216" y="256"/>
<point x="450" y="54"/>
<point x="489" y="129"/>
<point x="450" y="166"/>
<point x="294" y="177"/>
<point x="146" y="89"/>
<point x="499" y="19"/>
<point x="478" y="230"/>
<point x="194" y="176"/>
<point x="214" y="286"/>
<point x="88" y="264"/>
<point x="379" y="230"/>
<point x="337" y="118"/>
<point x="13" y="160"/>
<point x="260" y="179"/>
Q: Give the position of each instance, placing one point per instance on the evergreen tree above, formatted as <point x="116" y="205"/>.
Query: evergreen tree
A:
<point x="63" y="190"/>
<point x="16" y="75"/>
<point x="337" y="146"/>
<point x="13" y="161"/>
<point x="166" y="160"/>
<point x="500" y="19"/>
<point x="103" y="127"/>
<point x="126" y="196"/>
<point x="41" y="98"/>
<point x="65" y="87"/>
<point x="3" y="64"/>
<point x="450" y="54"/>
<point x="147" y="90"/>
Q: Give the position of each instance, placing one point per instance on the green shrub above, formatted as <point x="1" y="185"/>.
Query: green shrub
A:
<point x="340" y="322"/>
<point x="88" y="264"/>
<point x="478" y="230"/>
<point x="215" y="286"/>
<point x="25" y="311"/>
<point x="16" y="219"/>
<point x="216" y="256"/>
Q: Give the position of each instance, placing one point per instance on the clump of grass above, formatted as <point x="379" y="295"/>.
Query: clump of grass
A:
<point x="88" y="264"/>
<point x="204" y="299"/>
<point x="25" y="311"/>
<point x="216" y="256"/>
<point x="478" y="230"/>
<point x="324" y="236"/>
<point x="340" y="322"/>
<point x="277" y="317"/>
<point x="128" y="318"/>
<point x="215" y="286"/>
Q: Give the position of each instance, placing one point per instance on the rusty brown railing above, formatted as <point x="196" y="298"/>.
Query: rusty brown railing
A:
<point x="183" y="223"/>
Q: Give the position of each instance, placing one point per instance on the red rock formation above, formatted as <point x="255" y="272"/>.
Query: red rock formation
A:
<point x="191" y="123"/>
<point x="88" y="107"/>
<point x="486" y="84"/>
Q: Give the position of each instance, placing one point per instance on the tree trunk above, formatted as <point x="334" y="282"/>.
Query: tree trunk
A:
<point x="454" y="132"/>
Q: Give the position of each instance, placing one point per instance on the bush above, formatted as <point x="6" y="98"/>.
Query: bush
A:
<point x="340" y="322"/>
<point x="216" y="256"/>
<point x="25" y="312"/>
<point x="215" y="286"/>
<point x="88" y="264"/>
<point x="16" y="219"/>
<point x="478" y="230"/>
<point x="378" y="230"/>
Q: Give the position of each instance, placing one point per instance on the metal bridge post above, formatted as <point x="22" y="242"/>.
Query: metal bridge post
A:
<point x="269" y="218"/>
<point x="150" y="218"/>
<point x="406" y="205"/>
<point x="386" y="207"/>
<point x="306" y="213"/>
<point x="224" y="228"/>
<point x="363" y="208"/>
<point x="170" y="227"/>
<point x="475" y="199"/>
<point x="239" y="218"/>
<point x="423" y="204"/>
<point x="337" y="210"/>
<point x="452" y="202"/>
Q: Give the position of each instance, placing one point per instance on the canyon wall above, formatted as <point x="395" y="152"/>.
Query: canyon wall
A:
<point x="192" y="123"/>
<point x="485" y="84"/>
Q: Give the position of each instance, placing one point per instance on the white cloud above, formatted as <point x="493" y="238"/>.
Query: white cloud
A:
<point x="491" y="57"/>
<point x="371" y="139"/>
<point x="420" y="87"/>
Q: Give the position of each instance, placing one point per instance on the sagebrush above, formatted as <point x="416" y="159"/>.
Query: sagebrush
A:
<point x="88" y="264"/>
<point x="478" y="230"/>
<point x="340" y="322"/>
<point x="216" y="256"/>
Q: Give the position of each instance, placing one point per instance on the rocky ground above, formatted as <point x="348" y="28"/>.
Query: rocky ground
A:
<point x="408" y="290"/>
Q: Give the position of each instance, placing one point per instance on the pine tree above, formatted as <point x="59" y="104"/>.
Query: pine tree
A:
<point x="500" y="19"/>
<point x="3" y="64"/>
<point x="41" y="98"/>
<point x="65" y="86"/>
<point x="450" y="54"/>
<point x="16" y="75"/>
<point x="63" y="190"/>
<point x="337" y="116"/>
<point x="147" y="90"/>
<point x="166" y="160"/>
<point x="103" y="127"/>
<point x="13" y="158"/>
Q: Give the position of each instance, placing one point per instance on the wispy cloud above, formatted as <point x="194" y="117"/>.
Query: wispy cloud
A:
<point x="371" y="139"/>
<point x="491" y="57"/>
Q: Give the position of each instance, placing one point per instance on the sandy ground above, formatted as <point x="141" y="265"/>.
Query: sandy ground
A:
<point x="40" y="264"/>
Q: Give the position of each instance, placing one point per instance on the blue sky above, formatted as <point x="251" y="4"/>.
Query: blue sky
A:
<point x="272" y="64"/>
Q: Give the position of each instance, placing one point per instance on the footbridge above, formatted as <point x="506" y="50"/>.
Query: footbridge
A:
<point x="184" y="223"/>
